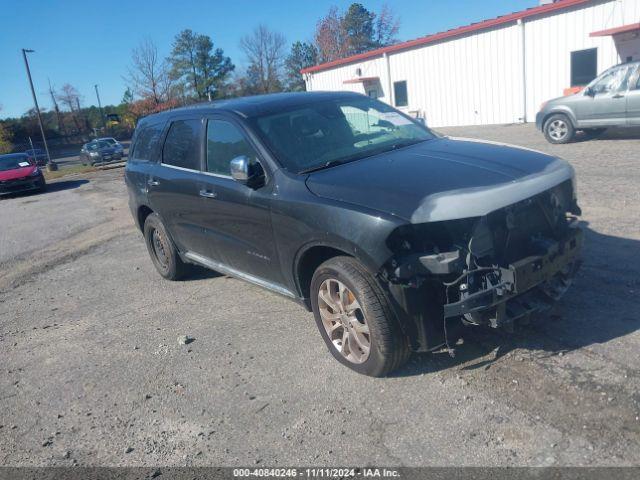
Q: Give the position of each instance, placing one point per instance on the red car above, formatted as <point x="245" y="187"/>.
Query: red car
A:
<point x="18" y="173"/>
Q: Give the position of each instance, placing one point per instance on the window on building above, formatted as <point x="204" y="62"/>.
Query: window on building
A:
<point x="182" y="146"/>
<point x="224" y="143"/>
<point x="400" y="93"/>
<point x="146" y="142"/>
<point x="584" y="66"/>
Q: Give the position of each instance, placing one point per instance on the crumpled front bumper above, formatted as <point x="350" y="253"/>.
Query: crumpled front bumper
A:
<point x="527" y="286"/>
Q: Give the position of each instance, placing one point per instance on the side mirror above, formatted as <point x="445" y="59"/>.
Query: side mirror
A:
<point x="590" y="92"/>
<point x="247" y="173"/>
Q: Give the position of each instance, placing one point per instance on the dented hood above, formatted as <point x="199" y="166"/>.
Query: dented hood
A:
<point x="442" y="179"/>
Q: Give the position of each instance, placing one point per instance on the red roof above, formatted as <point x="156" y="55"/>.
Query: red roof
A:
<point x="612" y="31"/>
<point x="474" y="27"/>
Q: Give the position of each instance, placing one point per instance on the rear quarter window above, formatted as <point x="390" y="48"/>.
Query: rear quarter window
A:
<point x="145" y="142"/>
<point x="182" y="145"/>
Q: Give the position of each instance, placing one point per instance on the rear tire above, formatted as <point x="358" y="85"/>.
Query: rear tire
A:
<point x="355" y="318"/>
<point x="162" y="250"/>
<point x="558" y="129"/>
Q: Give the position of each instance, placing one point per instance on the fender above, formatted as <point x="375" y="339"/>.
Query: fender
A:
<point x="564" y="110"/>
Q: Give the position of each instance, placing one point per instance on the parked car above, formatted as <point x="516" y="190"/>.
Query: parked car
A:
<point x="99" y="151"/>
<point x="38" y="156"/>
<point x="611" y="100"/>
<point x="114" y="143"/>
<point x="19" y="173"/>
<point x="394" y="236"/>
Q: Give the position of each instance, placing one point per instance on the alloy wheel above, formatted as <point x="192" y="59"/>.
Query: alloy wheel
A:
<point x="344" y="321"/>
<point x="558" y="129"/>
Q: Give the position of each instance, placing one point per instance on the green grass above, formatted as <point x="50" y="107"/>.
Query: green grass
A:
<point x="63" y="172"/>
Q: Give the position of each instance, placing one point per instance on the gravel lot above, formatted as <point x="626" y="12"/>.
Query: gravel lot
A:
<point x="92" y="373"/>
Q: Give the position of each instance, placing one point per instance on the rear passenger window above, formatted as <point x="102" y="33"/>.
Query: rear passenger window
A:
<point x="224" y="143"/>
<point x="146" y="142"/>
<point x="182" y="146"/>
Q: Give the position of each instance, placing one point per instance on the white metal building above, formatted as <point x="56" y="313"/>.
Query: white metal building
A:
<point x="495" y="71"/>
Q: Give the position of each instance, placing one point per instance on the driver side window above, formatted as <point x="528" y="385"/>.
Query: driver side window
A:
<point x="612" y="81"/>
<point x="634" y="79"/>
<point x="224" y="143"/>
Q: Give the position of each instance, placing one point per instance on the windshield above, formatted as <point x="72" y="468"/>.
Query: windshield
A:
<point x="13" y="162"/>
<point x="329" y="133"/>
<point x="95" y="145"/>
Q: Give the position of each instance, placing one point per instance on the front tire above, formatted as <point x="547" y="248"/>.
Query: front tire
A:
<point x="558" y="129"/>
<point x="355" y="318"/>
<point x="162" y="250"/>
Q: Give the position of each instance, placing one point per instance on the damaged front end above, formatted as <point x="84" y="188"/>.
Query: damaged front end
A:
<point x="496" y="270"/>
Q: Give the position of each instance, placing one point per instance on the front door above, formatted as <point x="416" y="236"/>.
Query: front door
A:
<point x="603" y="103"/>
<point x="237" y="217"/>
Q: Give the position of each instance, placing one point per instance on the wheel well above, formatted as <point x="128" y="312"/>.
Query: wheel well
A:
<point x="310" y="261"/>
<point x="551" y="114"/>
<point x="143" y="213"/>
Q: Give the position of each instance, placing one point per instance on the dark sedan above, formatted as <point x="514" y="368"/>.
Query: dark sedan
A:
<point x="18" y="173"/>
<point x="99" y="151"/>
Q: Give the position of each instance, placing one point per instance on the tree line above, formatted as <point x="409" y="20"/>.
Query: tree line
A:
<point x="197" y="70"/>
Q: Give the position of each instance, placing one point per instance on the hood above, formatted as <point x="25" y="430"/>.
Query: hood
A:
<point x="442" y="179"/>
<point x="17" y="173"/>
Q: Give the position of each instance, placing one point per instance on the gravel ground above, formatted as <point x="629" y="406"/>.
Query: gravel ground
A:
<point x="92" y="371"/>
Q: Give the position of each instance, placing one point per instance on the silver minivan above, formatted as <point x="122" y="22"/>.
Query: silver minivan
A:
<point x="611" y="100"/>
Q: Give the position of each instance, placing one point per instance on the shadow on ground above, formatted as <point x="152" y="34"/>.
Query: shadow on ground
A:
<point x="61" y="185"/>
<point x="200" y="273"/>
<point x="56" y="186"/>
<point x="613" y="133"/>
<point x="600" y="306"/>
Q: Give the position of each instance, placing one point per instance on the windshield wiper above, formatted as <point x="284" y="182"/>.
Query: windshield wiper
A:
<point x="329" y="164"/>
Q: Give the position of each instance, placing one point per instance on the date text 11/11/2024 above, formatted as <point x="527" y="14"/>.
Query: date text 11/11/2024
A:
<point x="316" y="472"/>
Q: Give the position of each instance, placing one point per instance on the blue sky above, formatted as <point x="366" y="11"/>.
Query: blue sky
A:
<point x="88" y="42"/>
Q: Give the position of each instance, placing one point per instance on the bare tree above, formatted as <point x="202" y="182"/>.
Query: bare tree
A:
<point x="387" y="26"/>
<point x="69" y="97"/>
<point x="61" y="128"/>
<point x="331" y="36"/>
<point x="265" y="50"/>
<point x="148" y="74"/>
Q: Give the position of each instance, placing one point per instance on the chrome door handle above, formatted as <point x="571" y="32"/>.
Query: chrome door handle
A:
<point x="153" y="183"/>
<point x="208" y="194"/>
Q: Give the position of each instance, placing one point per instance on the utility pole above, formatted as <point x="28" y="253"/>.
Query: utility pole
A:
<point x="104" y="125"/>
<point x="51" y="166"/>
<point x="55" y="106"/>
<point x="83" y="116"/>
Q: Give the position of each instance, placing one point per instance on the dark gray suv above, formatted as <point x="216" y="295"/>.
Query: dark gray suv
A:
<point x="611" y="100"/>
<point x="394" y="236"/>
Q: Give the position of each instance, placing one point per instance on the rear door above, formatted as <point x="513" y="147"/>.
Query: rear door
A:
<point x="174" y="183"/>
<point x="633" y="98"/>
<point x="237" y="218"/>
